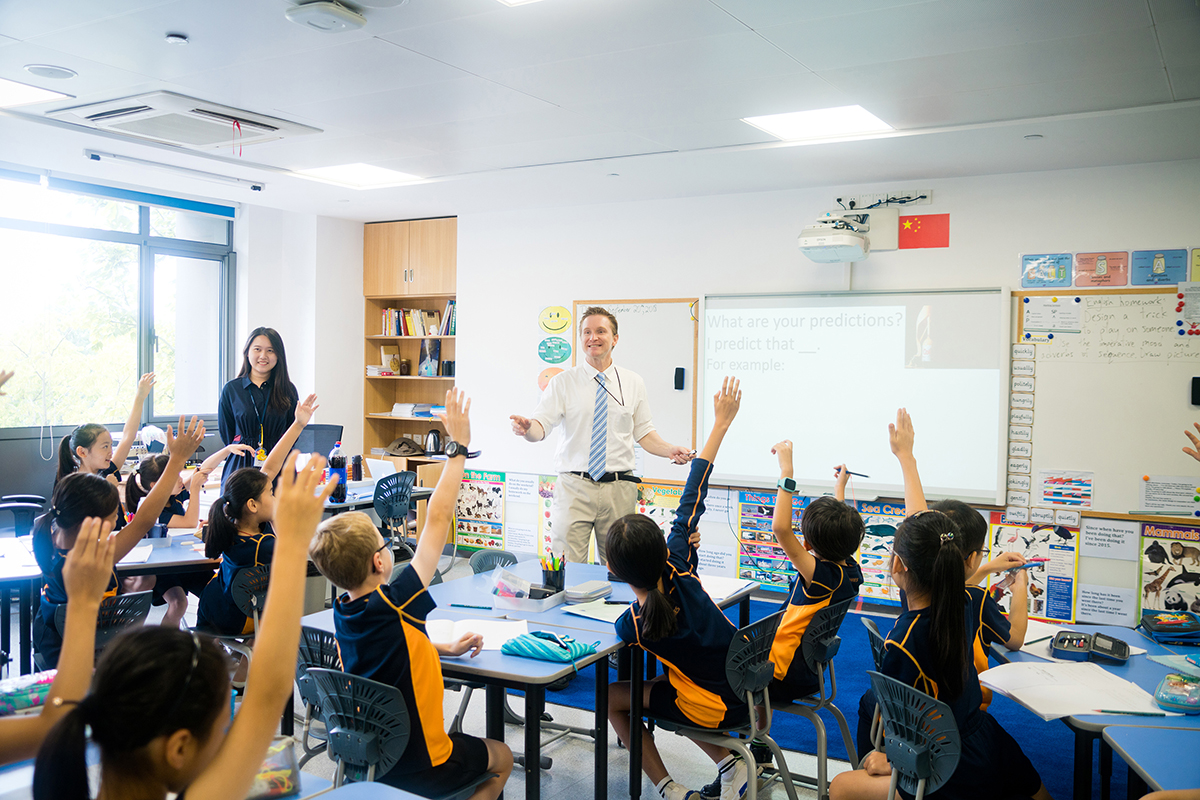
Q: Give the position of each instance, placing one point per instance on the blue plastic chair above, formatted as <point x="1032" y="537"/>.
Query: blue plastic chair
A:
<point x="318" y="649"/>
<point x="921" y="737"/>
<point x="876" y="639"/>
<point x="392" y="501"/>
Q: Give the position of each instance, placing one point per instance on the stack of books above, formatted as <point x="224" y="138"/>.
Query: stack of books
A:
<point x="411" y="322"/>
<point x="374" y="371"/>
<point x="411" y="409"/>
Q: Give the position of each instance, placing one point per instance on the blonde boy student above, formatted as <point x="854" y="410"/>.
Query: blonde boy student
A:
<point x="380" y="630"/>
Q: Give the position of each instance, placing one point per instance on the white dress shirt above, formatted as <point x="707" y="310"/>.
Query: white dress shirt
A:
<point x="570" y="399"/>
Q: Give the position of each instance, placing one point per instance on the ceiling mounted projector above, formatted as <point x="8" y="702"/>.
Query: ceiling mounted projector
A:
<point x="325" y="16"/>
<point x="835" y="240"/>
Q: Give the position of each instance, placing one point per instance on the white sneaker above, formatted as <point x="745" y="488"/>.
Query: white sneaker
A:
<point x="674" y="791"/>
<point x="733" y="780"/>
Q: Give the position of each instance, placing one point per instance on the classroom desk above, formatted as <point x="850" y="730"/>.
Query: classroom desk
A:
<point x="499" y="672"/>
<point x="1088" y="728"/>
<point x="18" y="571"/>
<point x="181" y="556"/>
<point x="367" y="791"/>
<point x="1159" y="758"/>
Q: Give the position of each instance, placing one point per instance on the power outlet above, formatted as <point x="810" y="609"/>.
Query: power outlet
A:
<point x="922" y="197"/>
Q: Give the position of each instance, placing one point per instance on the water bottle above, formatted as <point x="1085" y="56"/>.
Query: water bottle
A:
<point x="337" y="466"/>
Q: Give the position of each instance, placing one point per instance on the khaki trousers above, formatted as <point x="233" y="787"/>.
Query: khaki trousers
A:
<point x="581" y="506"/>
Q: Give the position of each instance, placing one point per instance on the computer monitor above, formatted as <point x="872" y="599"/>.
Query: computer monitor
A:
<point x="319" y="439"/>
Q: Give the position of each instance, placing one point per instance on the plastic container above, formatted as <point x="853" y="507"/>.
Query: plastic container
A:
<point x="337" y="466"/>
<point x="525" y="604"/>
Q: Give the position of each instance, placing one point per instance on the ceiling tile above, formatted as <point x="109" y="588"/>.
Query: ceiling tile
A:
<point x="764" y="13"/>
<point x="436" y="166"/>
<point x="549" y="122"/>
<point x="557" y="30"/>
<point x="423" y="12"/>
<point x="322" y="150"/>
<point x="948" y="26"/>
<point x="1172" y="10"/>
<point x="1185" y="83"/>
<point x="93" y="79"/>
<point x="698" y="136"/>
<point x="413" y="106"/>
<point x="25" y="20"/>
<point x="1180" y="41"/>
<point x="676" y="65"/>
<point x="555" y="151"/>
<point x="343" y="70"/>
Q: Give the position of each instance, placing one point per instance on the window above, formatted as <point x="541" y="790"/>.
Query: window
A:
<point x="99" y="290"/>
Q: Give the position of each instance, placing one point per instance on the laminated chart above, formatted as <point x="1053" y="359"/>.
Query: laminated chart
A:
<point x="1052" y="584"/>
<point x="479" y="511"/>
<point x="1169" y="578"/>
<point x="659" y="502"/>
<point x="874" y="555"/>
<point x="760" y="558"/>
<point x="545" y="500"/>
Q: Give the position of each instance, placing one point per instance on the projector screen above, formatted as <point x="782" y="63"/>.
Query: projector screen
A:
<point x="828" y="371"/>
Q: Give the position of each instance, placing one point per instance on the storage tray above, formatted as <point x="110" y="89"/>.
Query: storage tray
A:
<point x="525" y="604"/>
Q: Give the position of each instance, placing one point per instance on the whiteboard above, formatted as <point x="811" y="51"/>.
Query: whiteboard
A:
<point x="655" y="337"/>
<point x="1114" y="399"/>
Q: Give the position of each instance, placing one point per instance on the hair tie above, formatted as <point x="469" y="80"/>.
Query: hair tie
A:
<point x="87" y="706"/>
<point x="53" y="511"/>
<point x="137" y="481"/>
<point x="947" y="537"/>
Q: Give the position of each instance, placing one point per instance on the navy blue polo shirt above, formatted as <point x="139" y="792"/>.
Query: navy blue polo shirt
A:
<point x="694" y="657"/>
<point x="217" y="613"/>
<point x="47" y="638"/>
<point x="243" y="409"/>
<point x="831" y="583"/>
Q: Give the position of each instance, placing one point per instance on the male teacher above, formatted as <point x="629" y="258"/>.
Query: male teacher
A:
<point x="603" y="411"/>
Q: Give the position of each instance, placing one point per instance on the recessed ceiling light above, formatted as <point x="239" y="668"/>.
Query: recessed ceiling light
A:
<point x="177" y="38"/>
<point x="823" y="123"/>
<point x="22" y="94"/>
<point x="357" y="176"/>
<point x="50" y="71"/>
<point x="1033" y="137"/>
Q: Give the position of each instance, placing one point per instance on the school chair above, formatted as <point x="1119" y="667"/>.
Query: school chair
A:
<point x="487" y="560"/>
<point x="116" y="614"/>
<point x="368" y="728"/>
<point x="318" y="649"/>
<point x="876" y="640"/>
<point x="921" y="738"/>
<point x="23" y="507"/>
<point x="818" y="646"/>
<point x="249" y="593"/>
<point x="749" y="673"/>
<point x="392" y="502"/>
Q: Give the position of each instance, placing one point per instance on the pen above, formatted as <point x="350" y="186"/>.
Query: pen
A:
<point x="855" y="474"/>
<point x="1035" y="641"/>
<point x="1131" y="713"/>
<point x="617" y="602"/>
<point x="464" y="605"/>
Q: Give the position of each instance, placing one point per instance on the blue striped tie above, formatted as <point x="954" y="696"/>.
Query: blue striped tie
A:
<point x="599" y="431"/>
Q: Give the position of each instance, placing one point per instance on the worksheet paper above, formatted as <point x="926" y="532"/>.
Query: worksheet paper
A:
<point x="1068" y="689"/>
<point x="495" y="632"/>
<point x="597" y="609"/>
<point x="1168" y="493"/>
<point x="138" y="555"/>
<point x="719" y="588"/>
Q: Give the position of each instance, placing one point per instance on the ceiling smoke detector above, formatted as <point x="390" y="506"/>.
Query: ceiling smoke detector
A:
<point x="326" y="16"/>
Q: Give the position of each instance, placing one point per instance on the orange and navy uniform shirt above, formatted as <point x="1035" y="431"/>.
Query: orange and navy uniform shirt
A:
<point x="216" y="612"/>
<point x="381" y="636"/>
<point x="831" y="583"/>
<point x="47" y="637"/>
<point x="694" y="658"/>
<point x="990" y="626"/>
<point x="908" y="656"/>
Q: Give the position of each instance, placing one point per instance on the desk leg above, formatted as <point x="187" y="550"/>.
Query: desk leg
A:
<point x="744" y="612"/>
<point x="1083" y="765"/>
<point x="6" y="625"/>
<point x="601" y="744"/>
<point x="1106" y="755"/>
<point x="635" y="726"/>
<point x="26" y="602"/>
<point x="494" y="712"/>
<point x="1135" y="787"/>
<point x="535" y="704"/>
<point x="624" y="660"/>
<point x="287" y="724"/>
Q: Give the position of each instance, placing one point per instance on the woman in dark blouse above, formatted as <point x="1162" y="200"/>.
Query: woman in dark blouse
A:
<point x="259" y="404"/>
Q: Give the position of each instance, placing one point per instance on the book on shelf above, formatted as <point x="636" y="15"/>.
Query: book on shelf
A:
<point x="374" y="371"/>
<point x="389" y="357"/>
<point x="411" y="409"/>
<point x="418" y="322"/>
<point x="447" y="328"/>
<point x="431" y="351"/>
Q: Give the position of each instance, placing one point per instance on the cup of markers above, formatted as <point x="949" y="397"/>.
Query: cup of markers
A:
<point x="554" y="572"/>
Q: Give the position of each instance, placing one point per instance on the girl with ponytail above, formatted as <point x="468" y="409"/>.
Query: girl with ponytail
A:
<point x="82" y="495"/>
<point x="675" y="619"/>
<point x="159" y="705"/>
<point x="89" y="448"/>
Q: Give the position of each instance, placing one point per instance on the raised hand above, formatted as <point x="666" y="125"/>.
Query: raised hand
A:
<point x="89" y="566"/>
<point x="306" y="408"/>
<point x="901" y="434"/>
<point x="145" y="384"/>
<point x="841" y="476"/>
<point x="783" y="450"/>
<point x="4" y="376"/>
<point x="299" y="505"/>
<point x="1193" y="451"/>
<point x="188" y="439"/>
<point x="727" y="401"/>
<point x="457" y="418"/>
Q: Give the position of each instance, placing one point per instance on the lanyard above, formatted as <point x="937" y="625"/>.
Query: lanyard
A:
<point x="262" y="452"/>
<point x="604" y="386"/>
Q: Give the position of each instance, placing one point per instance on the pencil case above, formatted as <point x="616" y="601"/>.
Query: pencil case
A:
<point x="547" y="646"/>
<point x="1171" y="625"/>
<point x="27" y="691"/>
<point x="1180" y="693"/>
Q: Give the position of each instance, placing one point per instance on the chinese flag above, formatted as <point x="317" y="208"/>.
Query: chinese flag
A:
<point x="927" y="230"/>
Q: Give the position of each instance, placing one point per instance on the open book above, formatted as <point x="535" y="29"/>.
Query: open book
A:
<point x="1068" y="689"/>
<point x="495" y="632"/>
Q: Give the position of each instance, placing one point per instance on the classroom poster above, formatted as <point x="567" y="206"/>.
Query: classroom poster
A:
<point x="1194" y="274"/>
<point x="1065" y="487"/>
<point x="1158" y="267"/>
<point x="1051" y="585"/>
<point x="874" y="555"/>
<point x="659" y="502"/>
<point x="521" y="512"/>
<point x="1169" y="578"/>
<point x="545" y="492"/>
<point x="1101" y="269"/>
<point x="479" y="511"/>
<point x="1046" y="271"/>
<point x="762" y="559"/>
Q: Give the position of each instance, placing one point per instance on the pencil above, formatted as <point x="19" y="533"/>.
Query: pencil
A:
<point x="464" y="605"/>
<point x="1035" y="641"/>
<point x="1131" y="713"/>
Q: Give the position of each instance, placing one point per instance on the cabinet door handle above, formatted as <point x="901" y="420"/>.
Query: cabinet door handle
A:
<point x="406" y="276"/>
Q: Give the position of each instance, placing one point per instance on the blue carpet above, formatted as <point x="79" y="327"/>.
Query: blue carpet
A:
<point x="1049" y="745"/>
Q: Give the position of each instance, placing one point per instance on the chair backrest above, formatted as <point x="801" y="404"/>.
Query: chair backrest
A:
<point x="488" y="560"/>
<point x="318" y="649"/>
<point x="393" y="495"/>
<point x="820" y="642"/>
<point x="746" y="666"/>
<point x="876" y="639"/>
<point x="249" y="590"/>
<point x="318" y="439"/>
<point x="921" y="742"/>
<point x="116" y="614"/>
<point x="24" y="498"/>
<point x="23" y="514"/>
<point x="398" y="568"/>
<point x="367" y="721"/>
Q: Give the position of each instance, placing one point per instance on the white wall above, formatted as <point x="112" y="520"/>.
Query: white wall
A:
<point x="338" y="347"/>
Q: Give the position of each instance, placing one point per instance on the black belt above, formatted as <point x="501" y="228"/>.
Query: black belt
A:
<point x="609" y="477"/>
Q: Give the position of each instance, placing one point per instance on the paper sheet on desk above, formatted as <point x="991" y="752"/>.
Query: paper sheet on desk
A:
<point x="138" y="555"/>
<point x="719" y="587"/>
<point x="495" y="632"/>
<point x="17" y="552"/>
<point x="1067" y="689"/>
<point x="1038" y="636"/>
<point x="597" y="609"/>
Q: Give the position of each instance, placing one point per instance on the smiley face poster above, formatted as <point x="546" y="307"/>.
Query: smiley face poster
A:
<point x="554" y="319"/>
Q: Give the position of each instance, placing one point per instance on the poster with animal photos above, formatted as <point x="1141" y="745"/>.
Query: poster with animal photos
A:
<point x="875" y="552"/>
<point x="760" y="558"/>
<point x="479" y="511"/>
<point x="1052" y="583"/>
<point x="1169" y="578"/>
<point x="545" y="500"/>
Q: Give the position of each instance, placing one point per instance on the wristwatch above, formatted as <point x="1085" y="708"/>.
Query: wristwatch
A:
<point x="787" y="484"/>
<point x="454" y="449"/>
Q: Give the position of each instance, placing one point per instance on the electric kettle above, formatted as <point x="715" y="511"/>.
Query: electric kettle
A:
<point x="433" y="443"/>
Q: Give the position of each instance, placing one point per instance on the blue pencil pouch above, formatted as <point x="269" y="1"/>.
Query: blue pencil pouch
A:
<point x="1180" y="693"/>
<point x="547" y="646"/>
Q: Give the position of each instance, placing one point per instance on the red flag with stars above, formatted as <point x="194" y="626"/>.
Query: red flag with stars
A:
<point x="926" y="230"/>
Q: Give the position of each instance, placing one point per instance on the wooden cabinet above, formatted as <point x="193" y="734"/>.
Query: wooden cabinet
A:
<point x="413" y="257"/>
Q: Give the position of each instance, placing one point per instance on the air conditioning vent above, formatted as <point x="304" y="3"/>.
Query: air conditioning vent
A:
<point x="183" y="121"/>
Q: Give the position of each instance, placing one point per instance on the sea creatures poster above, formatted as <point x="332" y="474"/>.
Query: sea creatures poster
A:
<point x="1052" y="583"/>
<point x="1169" y="578"/>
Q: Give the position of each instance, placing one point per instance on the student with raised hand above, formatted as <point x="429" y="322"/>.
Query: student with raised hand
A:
<point x="159" y="706"/>
<point x="676" y="620"/>
<point x="381" y="629"/>
<point x="86" y="573"/>
<point x="89" y="448"/>
<point x="929" y="648"/>
<point x="82" y="495"/>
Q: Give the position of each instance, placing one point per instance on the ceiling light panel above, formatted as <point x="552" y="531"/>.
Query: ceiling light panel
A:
<point x="357" y="176"/>
<point x="822" y="123"/>
<point x="22" y="94"/>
